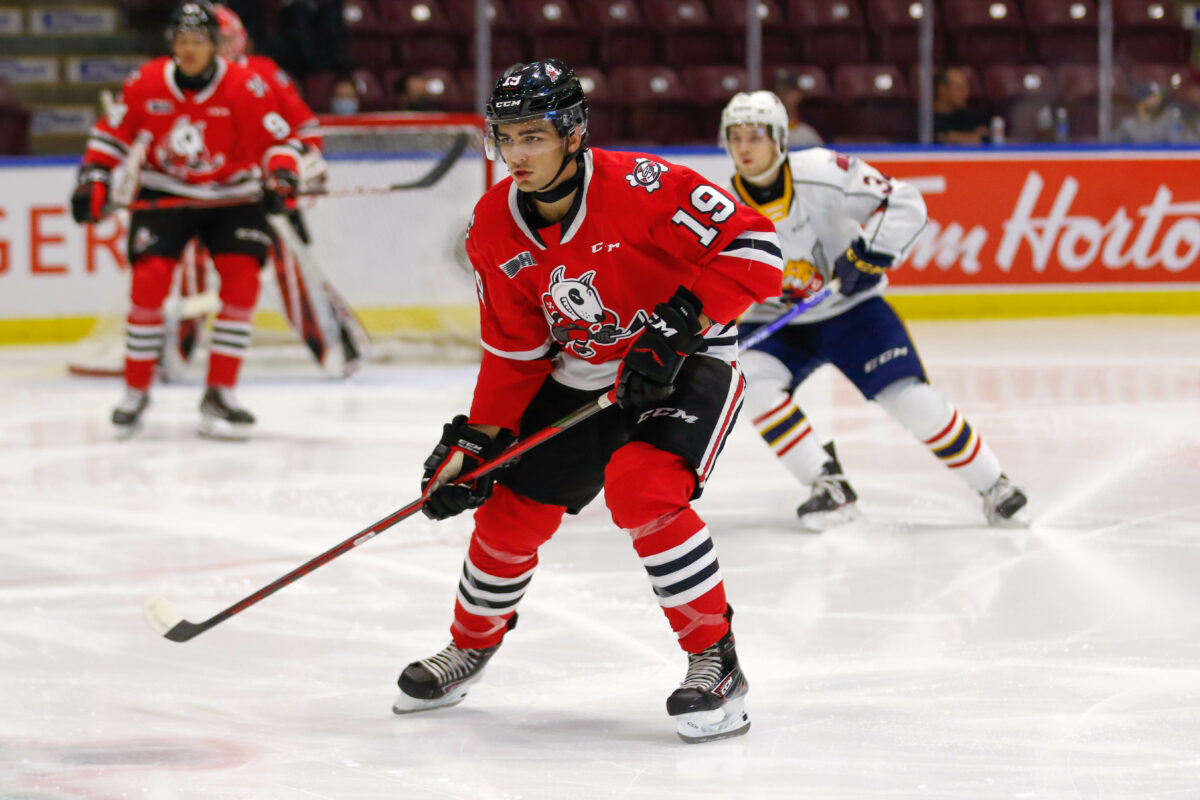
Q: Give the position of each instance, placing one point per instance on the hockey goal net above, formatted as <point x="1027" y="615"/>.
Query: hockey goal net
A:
<point x="389" y="239"/>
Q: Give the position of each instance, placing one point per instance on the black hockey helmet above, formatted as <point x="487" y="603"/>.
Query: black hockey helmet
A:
<point x="194" y="15"/>
<point x="546" y="89"/>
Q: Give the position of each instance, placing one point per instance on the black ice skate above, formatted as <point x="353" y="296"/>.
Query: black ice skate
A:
<point x="222" y="417"/>
<point x="833" y="501"/>
<point x="127" y="416"/>
<point x="442" y="679"/>
<point x="1003" y="502"/>
<point x="711" y="702"/>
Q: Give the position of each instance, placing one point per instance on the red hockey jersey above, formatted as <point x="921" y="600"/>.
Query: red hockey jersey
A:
<point x="291" y="106"/>
<point x="213" y="143"/>
<point x="642" y="228"/>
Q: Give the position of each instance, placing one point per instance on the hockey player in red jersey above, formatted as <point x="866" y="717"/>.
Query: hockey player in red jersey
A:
<point x="597" y="272"/>
<point x="211" y="130"/>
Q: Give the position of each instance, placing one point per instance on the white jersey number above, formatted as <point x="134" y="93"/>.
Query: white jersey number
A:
<point x="709" y="202"/>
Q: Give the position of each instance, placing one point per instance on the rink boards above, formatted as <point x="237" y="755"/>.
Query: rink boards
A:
<point x="1013" y="232"/>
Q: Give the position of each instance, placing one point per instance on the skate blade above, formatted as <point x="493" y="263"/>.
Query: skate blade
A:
<point x="707" y="726"/>
<point x="406" y="704"/>
<point x="221" y="430"/>
<point x="127" y="432"/>
<point x="818" y="521"/>
<point x="1020" y="518"/>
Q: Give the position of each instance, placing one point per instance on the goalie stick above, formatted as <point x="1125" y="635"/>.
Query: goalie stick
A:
<point x="167" y="621"/>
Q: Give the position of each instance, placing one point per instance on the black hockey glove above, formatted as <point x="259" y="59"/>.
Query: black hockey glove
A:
<point x="279" y="192"/>
<point x="647" y="374"/>
<point x="91" y="194"/>
<point x="461" y="449"/>
<point x="859" y="269"/>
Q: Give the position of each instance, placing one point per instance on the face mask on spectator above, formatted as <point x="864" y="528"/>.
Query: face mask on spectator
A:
<point x="344" y="105"/>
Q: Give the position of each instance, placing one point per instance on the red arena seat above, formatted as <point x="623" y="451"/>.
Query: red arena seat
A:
<point x="985" y="33"/>
<point x="626" y="39"/>
<point x="659" y="109"/>
<point x="556" y="30"/>
<point x="780" y="45"/>
<point x="1149" y="31"/>
<point x="1063" y="31"/>
<point x="831" y="32"/>
<point x="877" y="102"/>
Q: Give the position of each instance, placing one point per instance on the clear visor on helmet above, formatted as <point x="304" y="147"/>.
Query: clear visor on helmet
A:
<point x="747" y="132"/>
<point x="532" y="135"/>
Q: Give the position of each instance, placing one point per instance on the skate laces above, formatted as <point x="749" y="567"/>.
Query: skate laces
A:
<point x="452" y="663"/>
<point x="704" y="669"/>
<point x="999" y="491"/>
<point x="832" y="485"/>
<point x="131" y="401"/>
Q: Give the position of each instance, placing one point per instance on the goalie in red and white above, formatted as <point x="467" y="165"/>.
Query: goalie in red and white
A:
<point x="317" y="312"/>
<point x="210" y="130"/>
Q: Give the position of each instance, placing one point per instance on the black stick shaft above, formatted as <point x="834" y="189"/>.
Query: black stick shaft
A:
<point x="184" y="630"/>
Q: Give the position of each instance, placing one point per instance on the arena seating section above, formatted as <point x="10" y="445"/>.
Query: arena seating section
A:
<point x="659" y="71"/>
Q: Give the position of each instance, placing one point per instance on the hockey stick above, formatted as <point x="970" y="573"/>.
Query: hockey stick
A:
<point x="431" y="177"/>
<point x="165" y="620"/>
<point x="757" y="336"/>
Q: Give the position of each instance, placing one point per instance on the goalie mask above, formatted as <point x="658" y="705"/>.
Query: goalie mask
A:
<point x="546" y="89"/>
<point x="232" y="32"/>
<point x="763" y="109"/>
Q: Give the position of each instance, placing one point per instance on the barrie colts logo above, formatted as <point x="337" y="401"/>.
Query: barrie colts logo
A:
<point x="552" y="71"/>
<point x="517" y="263"/>
<point x="646" y="174"/>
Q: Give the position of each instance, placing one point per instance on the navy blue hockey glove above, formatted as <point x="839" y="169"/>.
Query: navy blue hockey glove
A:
<point x="279" y="192"/>
<point x="647" y="374"/>
<point x="460" y="450"/>
<point x="91" y="194"/>
<point x="859" y="269"/>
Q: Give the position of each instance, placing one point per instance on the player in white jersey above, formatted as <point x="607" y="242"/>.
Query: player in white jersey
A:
<point x="841" y="223"/>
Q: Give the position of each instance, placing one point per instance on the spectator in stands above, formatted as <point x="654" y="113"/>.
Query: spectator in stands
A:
<point x="953" y="122"/>
<point x="1185" y="107"/>
<point x="800" y="133"/>
<point x="1148" y="124"/>
<point x="413" y="93"/>
<point x="344" y="101"/>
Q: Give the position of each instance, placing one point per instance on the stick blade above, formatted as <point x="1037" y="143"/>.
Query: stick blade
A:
<point x="162" y="617"/>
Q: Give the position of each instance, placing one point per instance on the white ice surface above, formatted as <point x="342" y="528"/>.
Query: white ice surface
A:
<point x="916" y="653"/>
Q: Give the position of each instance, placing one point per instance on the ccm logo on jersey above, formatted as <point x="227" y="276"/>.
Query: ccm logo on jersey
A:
<point x="673" y="413"/>
<point x="646" y="174"/>
<point x="884" y="357"/>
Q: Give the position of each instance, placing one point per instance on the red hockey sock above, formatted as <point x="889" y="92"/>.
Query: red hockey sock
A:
<point x="145" y="331"/>
<point x="648" y="492"/>
<point x="509" y="529"/>
<point x="233" y="326"/>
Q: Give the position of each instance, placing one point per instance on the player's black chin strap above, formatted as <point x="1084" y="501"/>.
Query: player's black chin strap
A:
<point x="572" y="183"/>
